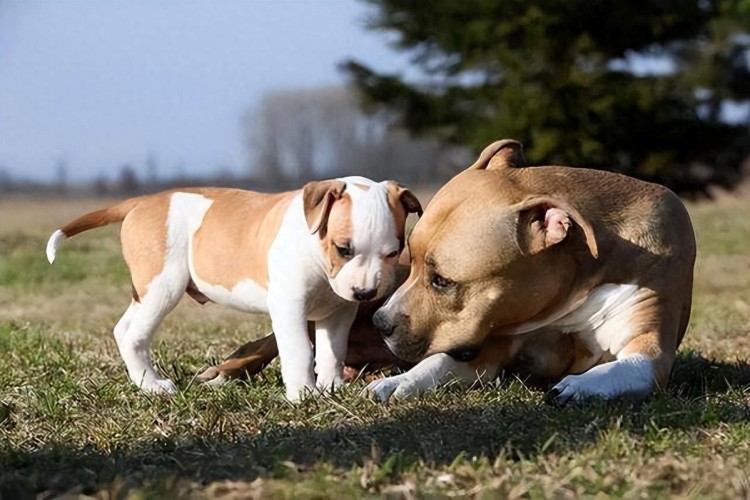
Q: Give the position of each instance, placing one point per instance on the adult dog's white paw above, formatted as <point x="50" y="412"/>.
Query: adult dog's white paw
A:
<point x="572" y="389"/>
<point x="630" y="377"/>
<point x="397" y="387"/>
<point x="212" y="377"/>
<point x="218" y="381"/>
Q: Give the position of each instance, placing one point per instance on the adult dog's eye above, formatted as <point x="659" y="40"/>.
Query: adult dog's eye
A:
<point x="346" y="251"/>
<point x="441" y="282"/>
<point x="392" y="254"/>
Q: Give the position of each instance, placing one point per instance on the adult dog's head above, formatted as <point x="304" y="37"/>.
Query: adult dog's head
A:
<point x="485" y="257"/>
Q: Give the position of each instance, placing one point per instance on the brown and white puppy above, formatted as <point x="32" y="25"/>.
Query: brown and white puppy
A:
<point x="585" y="273"/>
<point x="307" y="255"/>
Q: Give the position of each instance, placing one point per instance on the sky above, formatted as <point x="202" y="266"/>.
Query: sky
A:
<point x="102" y="83"/>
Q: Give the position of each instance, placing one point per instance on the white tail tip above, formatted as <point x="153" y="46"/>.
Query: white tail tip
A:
<point x="54" y="241"/>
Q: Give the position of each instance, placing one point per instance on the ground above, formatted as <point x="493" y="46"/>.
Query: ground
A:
<point x="71" y="422"/>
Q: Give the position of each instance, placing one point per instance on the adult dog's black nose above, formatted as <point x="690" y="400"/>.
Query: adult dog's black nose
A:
<point x="382" y="325"/>
<point x="363" y="294"/>
<point x="464" y="354"/>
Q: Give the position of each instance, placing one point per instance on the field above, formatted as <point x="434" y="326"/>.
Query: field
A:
<point x="71" y="422"/>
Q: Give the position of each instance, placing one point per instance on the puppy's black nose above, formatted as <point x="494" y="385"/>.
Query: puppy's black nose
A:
<point x="382" y="325"/>
<point x="363" y="294"/>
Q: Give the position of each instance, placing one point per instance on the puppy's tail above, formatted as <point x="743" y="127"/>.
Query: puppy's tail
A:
<point x="115" y="213"/>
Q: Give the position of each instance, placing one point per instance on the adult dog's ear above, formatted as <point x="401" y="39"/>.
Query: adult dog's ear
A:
<point x="317" y="200"/>
<point x="544" y="222"/>
<point x="406" y="198"/>
<point x="506" y="153"/>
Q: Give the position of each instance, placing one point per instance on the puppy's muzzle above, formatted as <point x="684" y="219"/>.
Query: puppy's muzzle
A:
<point x="364" y="294"/>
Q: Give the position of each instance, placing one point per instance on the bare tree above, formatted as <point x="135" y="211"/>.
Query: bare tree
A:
<point x="61" y="173"/>
<point x="319" y="132"/>
<point x="262" y="132"/>
<point x="129" y="183"/>
<point x="152" y="169"/>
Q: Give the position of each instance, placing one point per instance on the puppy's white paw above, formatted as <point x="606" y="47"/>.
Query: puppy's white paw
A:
<point x="159" y="386"/>
<point x="327" y="385"/>
<point x="295" y="394"/>
<point x="397" y="387"/>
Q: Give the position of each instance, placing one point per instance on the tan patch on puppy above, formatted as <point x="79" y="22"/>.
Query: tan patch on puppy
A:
<point x="232" y="243"/>
<point x="339" y="233"/>
<point x="144" y="241"/>
<point x="402" y="202"/>
<point x="317" y="199"/>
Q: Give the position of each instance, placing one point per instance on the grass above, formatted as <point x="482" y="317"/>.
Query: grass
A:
<point x="71" y="423"/>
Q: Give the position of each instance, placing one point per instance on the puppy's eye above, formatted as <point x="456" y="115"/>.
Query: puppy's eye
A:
<point x="441" y="282"/>
<point x="392" y="254"/>
<point x="345" y="251"/>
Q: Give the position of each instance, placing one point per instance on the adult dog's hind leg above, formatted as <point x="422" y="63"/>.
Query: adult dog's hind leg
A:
<point x="247" y="360"/>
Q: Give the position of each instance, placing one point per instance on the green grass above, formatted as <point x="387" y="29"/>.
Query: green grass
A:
<point x="71" y="422"/>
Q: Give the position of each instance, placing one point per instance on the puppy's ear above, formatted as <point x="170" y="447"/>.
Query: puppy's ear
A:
<point x="406" y="198"/>
<point x="506" y="153"/>
<point x="544" y="222"/>
<point x="317" y="200"/>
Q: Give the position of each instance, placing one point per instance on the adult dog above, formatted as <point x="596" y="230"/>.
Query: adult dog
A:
<point x="308" y="255"/>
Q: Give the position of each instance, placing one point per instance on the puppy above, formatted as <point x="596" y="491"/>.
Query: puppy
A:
<point x="308" y="255"/>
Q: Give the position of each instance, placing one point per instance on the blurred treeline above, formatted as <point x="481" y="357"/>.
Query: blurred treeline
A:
<point x="291" y="136"/>
<point x="655" y="89"/>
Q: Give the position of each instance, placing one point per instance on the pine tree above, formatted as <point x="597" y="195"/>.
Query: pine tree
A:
<point x="571" y="80"/>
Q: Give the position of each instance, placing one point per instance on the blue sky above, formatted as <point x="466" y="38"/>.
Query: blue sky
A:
<point x="103" y="83"/>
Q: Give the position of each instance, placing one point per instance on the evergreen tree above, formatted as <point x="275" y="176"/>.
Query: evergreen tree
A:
<point x="571" y="80"/>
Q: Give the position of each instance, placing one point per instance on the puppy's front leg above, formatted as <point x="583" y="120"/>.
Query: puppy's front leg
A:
<point x="331" y="340"/>
<point x="295" y="351"/>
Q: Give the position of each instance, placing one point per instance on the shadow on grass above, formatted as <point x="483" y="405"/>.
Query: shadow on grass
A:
<point x="704" y="395"/>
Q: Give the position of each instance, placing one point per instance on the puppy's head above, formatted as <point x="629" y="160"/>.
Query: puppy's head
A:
<point x="485" y="258"/>
<point x="360" y="225"/>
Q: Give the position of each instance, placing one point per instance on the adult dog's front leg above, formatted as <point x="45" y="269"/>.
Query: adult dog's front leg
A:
<point x="331" y="340"/>
<point x="427" y="374"/>
<point x="441" y="368"/>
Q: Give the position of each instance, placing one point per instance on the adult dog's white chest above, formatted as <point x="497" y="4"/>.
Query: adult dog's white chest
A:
<point x="602" y="321"/>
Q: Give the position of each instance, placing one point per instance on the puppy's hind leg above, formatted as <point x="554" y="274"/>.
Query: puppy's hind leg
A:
<point x="135" y="329"/>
